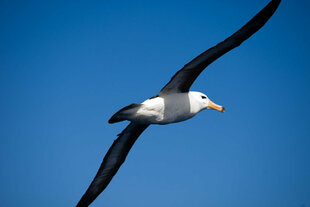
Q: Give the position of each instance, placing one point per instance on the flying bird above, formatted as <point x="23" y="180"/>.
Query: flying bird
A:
<point x="174" y="103"/>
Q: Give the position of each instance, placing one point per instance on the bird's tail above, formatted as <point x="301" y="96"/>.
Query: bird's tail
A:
<point x="124" y="113"/>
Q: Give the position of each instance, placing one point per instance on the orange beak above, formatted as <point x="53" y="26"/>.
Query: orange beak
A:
<point x="216" y="107"/>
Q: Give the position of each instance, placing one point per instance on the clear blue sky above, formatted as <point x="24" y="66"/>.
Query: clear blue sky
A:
<point x="67" y="66"/>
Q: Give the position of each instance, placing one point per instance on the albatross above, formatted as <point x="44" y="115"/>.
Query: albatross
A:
<point x="174" y="103"/>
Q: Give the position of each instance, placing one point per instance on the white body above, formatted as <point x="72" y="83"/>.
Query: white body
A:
<point x="168" y="109"/>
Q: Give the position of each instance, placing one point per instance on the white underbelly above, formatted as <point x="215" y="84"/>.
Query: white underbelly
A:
<point x="171" y="109"/>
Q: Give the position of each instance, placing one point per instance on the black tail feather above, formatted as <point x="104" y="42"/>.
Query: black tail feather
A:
<point x="114" y="119"/>
<point x="117" y="117"/>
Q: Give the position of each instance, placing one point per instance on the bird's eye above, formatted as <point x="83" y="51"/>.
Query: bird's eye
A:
<point x="203" y="97"/>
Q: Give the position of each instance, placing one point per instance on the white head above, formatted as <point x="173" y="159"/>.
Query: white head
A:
<point x="206" y="103"/>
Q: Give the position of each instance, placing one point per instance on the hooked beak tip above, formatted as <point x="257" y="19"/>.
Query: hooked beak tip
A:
<point x="223" y="110"/>
<point x="216" y="107"/>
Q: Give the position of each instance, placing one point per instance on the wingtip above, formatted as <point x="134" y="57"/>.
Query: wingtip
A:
<point x="275" y="3"/>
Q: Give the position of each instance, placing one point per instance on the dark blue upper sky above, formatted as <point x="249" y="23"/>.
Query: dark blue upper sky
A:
<point x="67" y="66"/>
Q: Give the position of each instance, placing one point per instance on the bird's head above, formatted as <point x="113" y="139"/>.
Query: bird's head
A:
<point x="206" y="103"/>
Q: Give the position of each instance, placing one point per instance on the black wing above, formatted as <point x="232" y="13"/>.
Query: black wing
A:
<point x="112" y="162"/>
<point x="184" y="78"/>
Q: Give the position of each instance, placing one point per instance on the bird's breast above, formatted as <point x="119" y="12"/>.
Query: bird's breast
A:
<point x="167" y="109"/>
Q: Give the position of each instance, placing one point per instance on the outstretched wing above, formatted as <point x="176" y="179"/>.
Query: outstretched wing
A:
<point x="184" y="78"/>
<point x="112" y="162"/>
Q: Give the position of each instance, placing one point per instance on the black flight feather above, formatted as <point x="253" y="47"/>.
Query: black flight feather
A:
<point x="184" y="78"/>
<point x="112" y="162"/>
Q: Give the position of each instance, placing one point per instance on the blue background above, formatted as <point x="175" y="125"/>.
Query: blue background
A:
<point x="67" y="66"/>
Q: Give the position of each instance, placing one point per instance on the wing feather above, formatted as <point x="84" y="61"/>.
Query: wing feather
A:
<point x="112" y="162"/>
<point x="184" y="78"/>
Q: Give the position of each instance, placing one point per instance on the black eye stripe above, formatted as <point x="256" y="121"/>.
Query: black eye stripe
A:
<point x="203" y="97"/>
